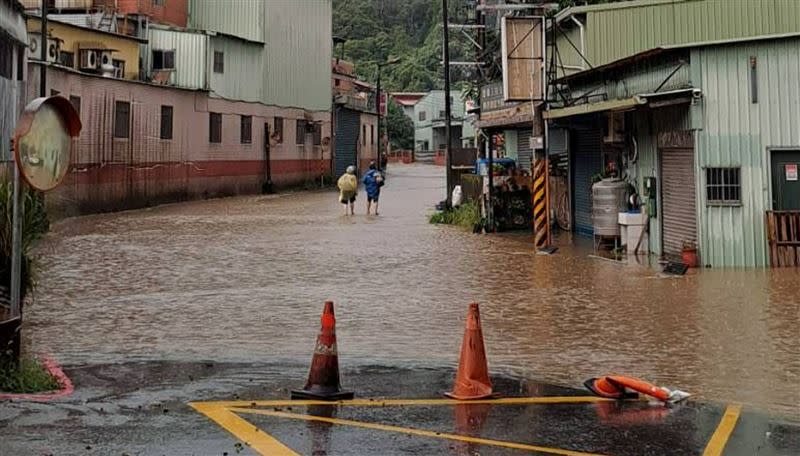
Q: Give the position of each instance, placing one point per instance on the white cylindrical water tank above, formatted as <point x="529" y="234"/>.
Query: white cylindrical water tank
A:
<point x="609" y="198"/>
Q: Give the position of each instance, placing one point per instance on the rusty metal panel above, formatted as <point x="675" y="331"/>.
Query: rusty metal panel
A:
<point x="191" y="55"/>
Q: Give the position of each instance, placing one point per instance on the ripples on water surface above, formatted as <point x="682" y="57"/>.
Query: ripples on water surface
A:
<point x="245" y="278"/>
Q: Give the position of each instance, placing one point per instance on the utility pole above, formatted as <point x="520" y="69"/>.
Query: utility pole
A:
<point x="447" y="114"/>
<point x="43" y="53"/>
<point x="378" y="104"/>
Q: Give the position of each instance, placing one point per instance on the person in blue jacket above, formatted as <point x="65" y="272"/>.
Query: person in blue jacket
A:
<point x="373" y="181"/>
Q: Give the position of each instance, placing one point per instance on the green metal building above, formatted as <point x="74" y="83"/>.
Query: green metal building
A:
<point x="712" y="124"/>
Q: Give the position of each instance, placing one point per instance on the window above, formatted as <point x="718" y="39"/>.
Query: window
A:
<point x="67" y="59"/>
<point x="300" y="133"/>
<point x="422" y="115"/>
<point x="723" y="186"/>
<point x="246" y="130"/>
<point x="163" y="59"/>
<point x="76" y="103"/>
<point x="372" y="134"/>
<point x="336" y="82"/>
<point x="219" y="62"/>
<point x="214" y="127"/>
<point x="6" y="58"/>
<point x="278" y="129"/>
<point x="158" y="2"/>
<point x="166" y="122"/>
<point x="364" y="135"/>
<point x="122" y="119"/>
<point x="317" y="134"/>
<point x="119" y="66"/>
<point x="441" y="114"/>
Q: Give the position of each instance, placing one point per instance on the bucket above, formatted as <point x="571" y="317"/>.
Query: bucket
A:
<point x="689" y="254"/>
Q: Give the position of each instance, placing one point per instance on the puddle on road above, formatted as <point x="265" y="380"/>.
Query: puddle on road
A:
<point x="244" y="279"/>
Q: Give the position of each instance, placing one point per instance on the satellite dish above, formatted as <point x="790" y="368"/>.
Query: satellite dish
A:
<point x="43" y="141"/>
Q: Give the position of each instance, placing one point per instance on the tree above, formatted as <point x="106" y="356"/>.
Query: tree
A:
<point x="399" y="127"/>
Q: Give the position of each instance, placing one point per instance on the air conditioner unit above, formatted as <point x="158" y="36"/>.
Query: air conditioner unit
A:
<point x="89" y="60"/>
<point x="616" y="128"/>
<point x="35" y="48"/>
<point x="105" y="59"/>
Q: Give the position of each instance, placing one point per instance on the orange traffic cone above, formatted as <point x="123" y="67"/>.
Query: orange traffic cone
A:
<point x="323" y="379"/>
<point x="472" y="379"/>
<point x="615" y="386"/>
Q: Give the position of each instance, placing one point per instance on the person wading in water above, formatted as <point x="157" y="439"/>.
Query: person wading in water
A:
<point x="348" y="185"/>
<point x="373" y="181"/>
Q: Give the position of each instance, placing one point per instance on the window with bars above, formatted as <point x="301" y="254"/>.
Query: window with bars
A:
<point x="246" y="130"/>
<point x="166" y="122"/>
<point x="122" y="119"/>
<point x="723" y="186"/>
<point x="300" y="132"/>
<point x="67" y="59"/>
<point x="219" y="62"/>
<point x="214" y="127"/>
<point x="278" y="129"/>
<point x="163" y="59"/>
<point x="76" y="103"/>
<point x="317" y="134"/>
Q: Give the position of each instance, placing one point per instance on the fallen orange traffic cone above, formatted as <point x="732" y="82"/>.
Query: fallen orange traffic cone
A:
<point x="472" y="379"/>
<point x="616" y="386"/>
<point x="323" y="379"/>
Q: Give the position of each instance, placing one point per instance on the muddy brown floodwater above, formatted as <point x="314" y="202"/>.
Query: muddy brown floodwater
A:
<point x="243" y="279"/>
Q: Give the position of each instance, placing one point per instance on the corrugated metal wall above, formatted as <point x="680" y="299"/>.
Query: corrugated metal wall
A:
<point x="738" y="132"/>
<point x="618" y="32"/>
<point x="586" y="146"/>
<point x="191" y="55"/>
<point x="298" y="53"/>
<point x="347" y="139"/>
<point x="647" y="125"/>
<point x="241" y="79"/>
<point x="240" y="18"/>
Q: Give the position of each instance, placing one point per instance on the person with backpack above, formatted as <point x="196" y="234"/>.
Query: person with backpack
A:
<point x="373" y="181"/>
<point x="348" y="186"/>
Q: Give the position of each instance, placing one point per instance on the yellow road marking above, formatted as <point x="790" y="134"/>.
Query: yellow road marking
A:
<point x="438" y="435"/>
<point x="393" y="402"/>
<point x="726" y="426"/>
<point x="259" y="441"/>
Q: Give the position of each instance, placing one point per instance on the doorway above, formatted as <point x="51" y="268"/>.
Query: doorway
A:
<point x="785" y="181"/>
<point x="267" y="186"/>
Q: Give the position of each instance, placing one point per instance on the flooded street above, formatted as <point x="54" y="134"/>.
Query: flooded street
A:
<point x="244" y="279"/>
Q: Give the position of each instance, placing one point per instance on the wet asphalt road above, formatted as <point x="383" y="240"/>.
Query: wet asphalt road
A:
<point x="243" y="280"/>
<point x="141" y="409"/>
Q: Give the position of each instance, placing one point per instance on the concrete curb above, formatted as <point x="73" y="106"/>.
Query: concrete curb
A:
<point x="54" y="369"/>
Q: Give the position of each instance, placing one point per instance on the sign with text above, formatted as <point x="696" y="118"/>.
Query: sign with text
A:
<point x="791" y="171"/>
<point x="522" y="42"/>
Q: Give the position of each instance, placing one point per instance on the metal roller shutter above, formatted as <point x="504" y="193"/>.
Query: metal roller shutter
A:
<point x="678" y="214"/>
<point x="587" y="161"/>
<point x="347" y="125"/>
<point x="524" y="150"/>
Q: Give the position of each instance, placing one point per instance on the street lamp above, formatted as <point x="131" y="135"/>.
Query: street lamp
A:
<point x="378" y="105"/>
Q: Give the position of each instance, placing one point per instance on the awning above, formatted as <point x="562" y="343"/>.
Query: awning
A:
<point x="651" y="100"/>
<point x="588" y="108"/>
